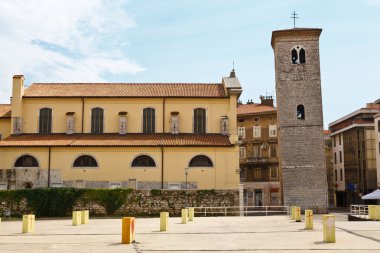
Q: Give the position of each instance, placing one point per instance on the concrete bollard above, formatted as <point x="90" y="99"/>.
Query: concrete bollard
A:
<point x="28" y="221"/>
<point x="377" y="212"/>
<point x="329" y="228"/>
<point x="297" y="214"/>
<point x="309" y="219"/>
<point x="85" y="216"/>
<point x="293" y="212"/>
<point x="77" y="220"/>
<point x="191" y="213"/>
<point x="372" y="212"/>
<point x="128" y="230"/>
<point x="184" y="216"/>
<point x="164" y="221"/>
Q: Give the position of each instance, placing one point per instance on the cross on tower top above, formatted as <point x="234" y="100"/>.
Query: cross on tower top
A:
<point x="294" y="16"/>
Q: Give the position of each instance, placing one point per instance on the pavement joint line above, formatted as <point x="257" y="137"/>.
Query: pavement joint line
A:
<point x="359" y="235"/>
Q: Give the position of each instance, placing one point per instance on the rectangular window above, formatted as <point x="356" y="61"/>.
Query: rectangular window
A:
<point x="199" y="121"/>
<point x="340" y="156"/>
<point x="341" y="174"/>
<point x="257" y="173"/>
<point x="256" y="131"/>
<point x="336" y="175"/>
<point x="340" y="139"/>
<point x="256" y="151"/>
<point x="273" y="173"/>
<point x="241" y="132"/>
<point x="45" y="119"/>
<point x="378" y="126"/>
<point x="149" y="120"/>
<point x="334" y="140"/>
<point x="272" y="130"/>
<point x="97" y="121"/>
<point x="241" y="152"/>
<point x="334" y="157"/>
<point x="272" y="151"/>
<point x="256" y="119"/>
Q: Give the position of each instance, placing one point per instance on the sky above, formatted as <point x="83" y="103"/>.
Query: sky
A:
<point x="189" y="41"/>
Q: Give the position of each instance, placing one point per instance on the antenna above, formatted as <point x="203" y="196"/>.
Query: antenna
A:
<point x="294" y="16"/>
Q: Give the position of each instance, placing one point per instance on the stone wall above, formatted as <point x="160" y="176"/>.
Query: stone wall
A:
<point x="141" y="203"/>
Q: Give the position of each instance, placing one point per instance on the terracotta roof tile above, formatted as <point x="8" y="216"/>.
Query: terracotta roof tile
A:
<point x="254" y="108"/>
<point x="125" y="90"/>
<point x="5" y="111"/>
<point x="128" y="140"/>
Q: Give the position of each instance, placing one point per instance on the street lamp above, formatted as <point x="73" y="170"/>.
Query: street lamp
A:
<point x="186" y="173"/>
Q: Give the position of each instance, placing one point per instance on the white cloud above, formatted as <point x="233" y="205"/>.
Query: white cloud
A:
<point x="62" y="41"/>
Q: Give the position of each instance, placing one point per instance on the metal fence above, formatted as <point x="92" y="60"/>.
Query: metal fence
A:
<point x="240" y="210"/>
<point x="360" y="211"/>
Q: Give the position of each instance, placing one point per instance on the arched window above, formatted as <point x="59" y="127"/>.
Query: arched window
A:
<point x="199" y="121"/>
<point x="300" y="112"/>
<point x="26" y="161"/>
<point x="143" y="161"/>
<point x="294" y="56"/>
<point x="97" y="120"/>
<point x="149" y="120"/>
<point x="85" y="161"/>
<point x="45" y="121"/>
<point x="200" y="161"/>
<point x="302" y="56"/>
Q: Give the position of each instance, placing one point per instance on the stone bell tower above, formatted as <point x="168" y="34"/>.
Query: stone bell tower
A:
<point x="300" y="119"/>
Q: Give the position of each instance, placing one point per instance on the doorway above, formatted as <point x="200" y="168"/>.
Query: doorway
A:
<point x="258" y="197"/>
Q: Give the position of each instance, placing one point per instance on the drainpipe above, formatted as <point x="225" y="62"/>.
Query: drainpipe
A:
<point x="49" y="167"/>
<point x="163" y="115"/>
<point x="82" y="114"/>
<point x="162" y="167"/>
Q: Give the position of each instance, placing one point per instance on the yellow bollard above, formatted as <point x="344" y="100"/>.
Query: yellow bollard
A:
<point x="185" y="216"/>
<point x="77" y="220"/>
<point x="328" y="228"/>
<point x="309" y="219"/>
<point x="28" y="223"/>
<point x="84" y="216"/>
<point x="191" y="213"/>
<point x="128" y="230"/>
<point x="297" y="214"/>
<point x="377" y="212"/>
<point x="372" y="212"/>
<point x="164" y="221"/>
<point x="293" y="212"/>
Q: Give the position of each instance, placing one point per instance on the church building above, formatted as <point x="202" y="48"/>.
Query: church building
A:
<point x="129" y="135"/>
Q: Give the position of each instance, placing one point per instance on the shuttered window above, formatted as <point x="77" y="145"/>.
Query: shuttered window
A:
<point x="45" y="121"/>
<point x="149" y="120"/>
<point x="199" y="121"/>
<point x="97" y="120"/>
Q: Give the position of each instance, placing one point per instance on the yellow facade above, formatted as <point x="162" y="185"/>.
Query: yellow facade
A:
<point x="114" y="163"/>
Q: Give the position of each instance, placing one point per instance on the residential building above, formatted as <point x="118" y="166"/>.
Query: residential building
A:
<point x="329" y="168"/>
<point x="354" y="155"/>
<point x="110" y="135"/>
<point x="257" y="130"/>
<point x="377" y="143"/>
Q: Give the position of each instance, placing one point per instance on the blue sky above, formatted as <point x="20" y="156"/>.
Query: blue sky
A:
<point x="189" y="41"/>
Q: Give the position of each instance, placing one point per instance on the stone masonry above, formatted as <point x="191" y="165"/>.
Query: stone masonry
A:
<point x="301" y="143"/>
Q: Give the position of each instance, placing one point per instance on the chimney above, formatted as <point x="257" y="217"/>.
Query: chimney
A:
<point x="266" y="100"/>
<point x="17" y="93"/>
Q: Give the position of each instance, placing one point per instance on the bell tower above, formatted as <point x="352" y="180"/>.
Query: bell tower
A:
<point x="300" y="119"/>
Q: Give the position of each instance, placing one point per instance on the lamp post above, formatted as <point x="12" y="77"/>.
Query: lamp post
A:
<point x="186" y="173"/>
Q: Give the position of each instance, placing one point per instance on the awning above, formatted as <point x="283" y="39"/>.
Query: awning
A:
<point x="373" y="195"/>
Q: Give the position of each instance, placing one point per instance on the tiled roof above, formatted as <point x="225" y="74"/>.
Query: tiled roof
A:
<point x="116" y="140"/>
<point x="59" y="90"/>
<point x="5" y="111"/>
<point x="254" y="108"/>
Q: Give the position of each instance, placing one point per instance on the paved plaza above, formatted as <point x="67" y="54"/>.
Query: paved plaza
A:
<point x="211" y="234"/>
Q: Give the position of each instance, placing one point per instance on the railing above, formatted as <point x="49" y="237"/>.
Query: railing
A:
<point x="360" y="211"/>
<point x="240" y="210"/>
